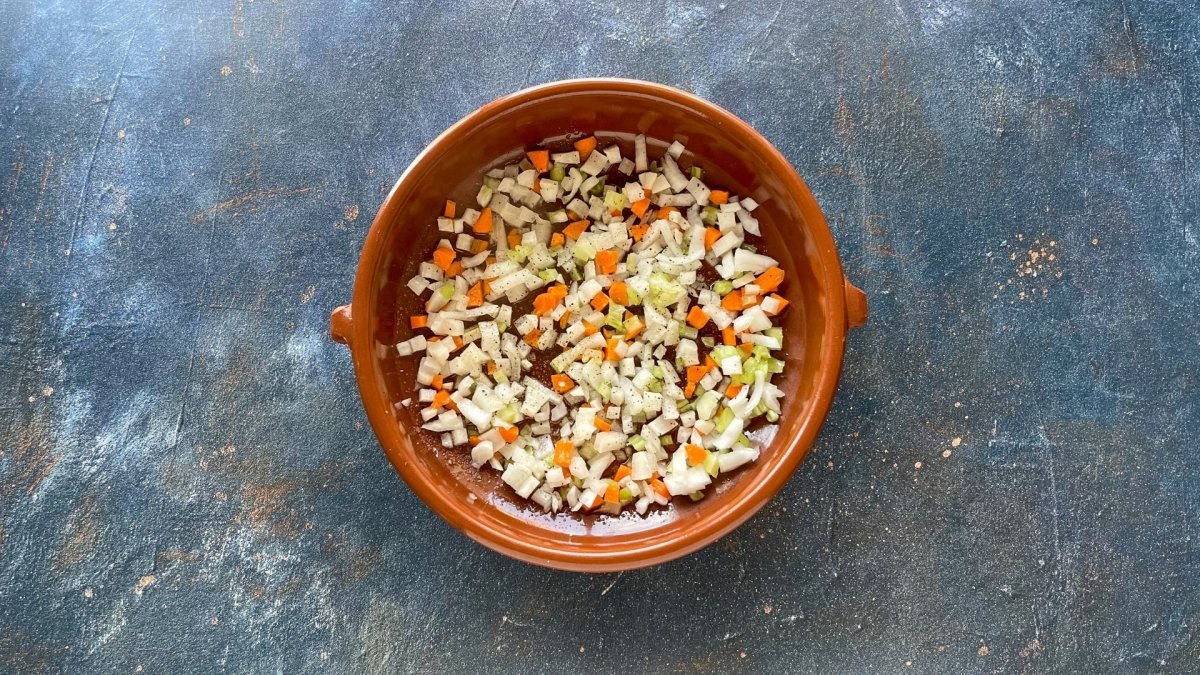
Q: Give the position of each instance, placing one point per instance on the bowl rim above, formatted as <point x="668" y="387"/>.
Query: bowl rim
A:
<point x="713" y="526"/>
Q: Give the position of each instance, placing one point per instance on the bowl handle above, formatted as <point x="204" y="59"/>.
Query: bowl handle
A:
<point x="339" y="324"/>
<point x="856" y="306"/>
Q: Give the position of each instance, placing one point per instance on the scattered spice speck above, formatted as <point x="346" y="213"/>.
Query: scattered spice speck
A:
<point x="917" y="466"/>
<point x="957" y="441"/>
<point x="226" y="71"/>
<point x="947" y="453"/>
<point x="983" y="650"/>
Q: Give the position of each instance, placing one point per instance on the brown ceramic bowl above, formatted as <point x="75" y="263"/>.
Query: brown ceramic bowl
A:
<point x="734" y="156"/>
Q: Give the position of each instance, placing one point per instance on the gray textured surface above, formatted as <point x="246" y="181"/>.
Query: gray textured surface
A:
<point x="186" y="480"/>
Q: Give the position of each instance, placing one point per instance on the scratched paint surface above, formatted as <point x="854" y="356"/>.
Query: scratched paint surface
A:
<point x="1007" y="482"/>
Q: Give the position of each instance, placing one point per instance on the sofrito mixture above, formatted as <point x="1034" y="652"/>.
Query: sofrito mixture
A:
<point x="600" y="331"/>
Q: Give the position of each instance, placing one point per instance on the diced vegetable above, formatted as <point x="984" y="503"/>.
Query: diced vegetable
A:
<point x="609" y="268"/>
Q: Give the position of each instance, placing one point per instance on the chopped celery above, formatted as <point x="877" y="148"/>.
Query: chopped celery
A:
<point x="772" y="416"/>
<point x="446" y="291"/>
<point x="625" y="495"/>
<point x="723" y="419"/>
<point x="525" y="164"/>
<point x="657" y="372"/>
<point x="774" y="366"/>
<point x="615" y="317"/>
<point x="696" y="496"/>
<point x="775" y="332"/>
<point x="519" y="253"/>
<point x="557" y="172"/>
<point x="666" y="441"/>
<point x="548" y="274"/>
<point x="688" y="332"/>
<point x="637" y="443"/>
<point x="665" y="290"/>
<point x="722" y="352"/>
<point x="614" y="201"/>
<point x="583" y="252"/>
<point x="697" y="172"/>
<point x="654" y="166"/>
<point x="655" y="386"/>
<point x="709" y="215"/>
<point x="492" y="183"/>
<point x="598" y="188"/>
<point x="508" y="413"/>
<point x="708" y="341"/>
<point x="750" y="247"/>
<point x="711" y="464"/>
<point x="724" y="288"/>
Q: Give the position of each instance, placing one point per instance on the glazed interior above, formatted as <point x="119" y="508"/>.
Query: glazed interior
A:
<point x="453" y="168"/>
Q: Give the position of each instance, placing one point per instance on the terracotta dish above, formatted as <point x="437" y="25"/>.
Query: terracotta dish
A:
<point x="823" y="306"/>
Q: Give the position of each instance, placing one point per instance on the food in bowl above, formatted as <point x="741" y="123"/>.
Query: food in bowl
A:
<point x="601" y="330"/>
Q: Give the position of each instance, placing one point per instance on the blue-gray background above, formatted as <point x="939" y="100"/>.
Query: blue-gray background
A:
<point x="1007" y="481"/>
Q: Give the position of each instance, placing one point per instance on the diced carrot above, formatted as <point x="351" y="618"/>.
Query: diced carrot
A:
<point x="612" y="494"/>
<point x="473" y="440"/>
<point x="711" y="235"/>
<point x="695" y="454"/>
<point x="602" y="424"/>
<point x="769" y="281"/>
<point x="537" y="184"/>
<point x="478" y="245"/>
<point x="599" y="302"/>
<point x="733" y="390"/>
<point x="728" y="337"/>
<point x="441" y="398"/>
<point x="562" y="383"/>
<point x="783" y="303"/>
<point x="454" y="269"/>
<point x="633" y="328"/>
<point x="450" y="209"/>
<point x="491" y="367"/>
<point x="532" y="337"/>
<point x="610" y="350"/>
<point x="732" y="301"/>
<point x="442" y="257"/>
<point x="559" y="291"/>
<point x="619" y="292"/>
<point x="458" y="343"/>
<point x="640" y="206"/>
<point x="639" y="231"/>
<point x="589" y="328"/>
<point x="544" y="303"/>
<point x="514" y="239"/>
<point x="564" y="320"/>
<point x="438" y="382"/>
<point x="557" y="239"/>
<point x="697" y="317"/>
<point x="540" y="160"/>
<point x="746" y="347"/>
<point x="509" y="434"/>
<point x="664" y="213"/>
<point x="585" y="146"/>
<point x="606" y="261"/>
<point x="483" y="224"/>
<point x="709" y="363"/>
<point x="660" y="487"/>
<point x="418" y="321"/>
<point x="694" y="374"/>
<point x="491" y="260"/>
<point x="563" y="451"/>
<point x="475" y="295"/>
<point x="487" y="286"/>
<point x="718" y="197"/>
<point x="622" y="472"/>
<point x="575" y="228"/>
